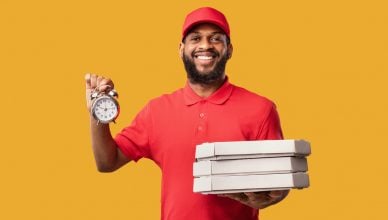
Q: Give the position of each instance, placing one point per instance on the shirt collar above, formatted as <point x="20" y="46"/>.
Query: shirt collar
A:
<point x="219" y="97"/>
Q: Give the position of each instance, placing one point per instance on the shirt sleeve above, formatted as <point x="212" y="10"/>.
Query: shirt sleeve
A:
<point x="270" y="128"/>
<point x="133" y="140"/>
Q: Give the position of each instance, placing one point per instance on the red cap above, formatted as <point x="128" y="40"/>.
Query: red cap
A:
<point x="205" y="15"/>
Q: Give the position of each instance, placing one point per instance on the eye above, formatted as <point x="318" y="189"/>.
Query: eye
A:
<point x="195" y="38"/>
<point x="216" y="38"/>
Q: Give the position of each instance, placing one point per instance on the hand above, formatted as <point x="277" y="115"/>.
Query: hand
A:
<point x="94" y="81"/>
<point x="258" y="200"/>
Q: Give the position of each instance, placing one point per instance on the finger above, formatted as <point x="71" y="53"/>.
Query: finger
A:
<point x="106" y="84"/>
<point x="258" y="196"/>
<point x="261" y="195"/>
<point x="87" y="80"/>
<point x="107" y="81"/>
<point x="276" y="194"/>
<point x="93" y="81"/>
<point x="99" y="79"/>
<point x="237" y="196"/>
<point x="251" y="195"/>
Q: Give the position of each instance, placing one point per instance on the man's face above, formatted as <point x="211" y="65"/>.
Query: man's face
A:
<point x="205" y="52"/>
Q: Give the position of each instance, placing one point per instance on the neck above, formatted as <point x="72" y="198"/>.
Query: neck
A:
<point x="205" y="90"/>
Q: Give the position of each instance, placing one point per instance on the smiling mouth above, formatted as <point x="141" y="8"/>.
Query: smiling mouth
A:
<point x="205" y="55"/>
<point x="202" y="57"/>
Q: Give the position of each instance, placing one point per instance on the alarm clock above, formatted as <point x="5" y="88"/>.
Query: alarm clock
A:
<point x="105" y="107"/>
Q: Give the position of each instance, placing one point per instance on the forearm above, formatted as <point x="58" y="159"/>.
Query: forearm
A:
<point x="104" y="146"/>
<point x="108" y="157"/>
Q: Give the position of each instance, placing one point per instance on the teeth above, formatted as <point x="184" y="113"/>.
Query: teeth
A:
<point x="204" y="57"/>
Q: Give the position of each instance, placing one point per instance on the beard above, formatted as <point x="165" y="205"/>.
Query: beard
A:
<point x="205" y="78"/>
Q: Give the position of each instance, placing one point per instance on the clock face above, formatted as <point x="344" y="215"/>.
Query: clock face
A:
<point x="105" y="109"/>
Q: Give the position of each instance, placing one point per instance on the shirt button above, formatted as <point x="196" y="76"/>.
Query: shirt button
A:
<point x="200" y="128"/>
<point x="202" y="115"/>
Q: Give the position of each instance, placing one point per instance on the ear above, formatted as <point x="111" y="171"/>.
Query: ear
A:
<point x="230" y="51"/>
<point x="181" y="47"/>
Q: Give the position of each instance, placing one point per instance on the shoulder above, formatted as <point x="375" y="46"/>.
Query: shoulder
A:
<point x="168" y="99"/>
<point x="243" y="95"/>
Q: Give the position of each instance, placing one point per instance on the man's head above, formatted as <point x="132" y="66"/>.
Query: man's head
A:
<point x="205" y="46"/>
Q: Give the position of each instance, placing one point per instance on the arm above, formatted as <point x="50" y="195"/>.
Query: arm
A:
<point x="107" y="156"/>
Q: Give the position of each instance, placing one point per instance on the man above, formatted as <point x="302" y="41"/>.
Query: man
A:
<point x="207" y="109"/>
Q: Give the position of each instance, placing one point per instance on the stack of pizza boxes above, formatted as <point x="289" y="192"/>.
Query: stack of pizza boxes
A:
<point x="250" y="166"/>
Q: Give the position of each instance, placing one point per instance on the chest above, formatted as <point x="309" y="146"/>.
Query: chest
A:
<point x="177" y="132"/>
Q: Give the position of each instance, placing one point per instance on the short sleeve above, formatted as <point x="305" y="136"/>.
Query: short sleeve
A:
<point x="133" y="140"/>
<point x="270" y="128"/>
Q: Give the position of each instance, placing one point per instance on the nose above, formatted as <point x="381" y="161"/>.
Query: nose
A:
<point x="205" y="44"/>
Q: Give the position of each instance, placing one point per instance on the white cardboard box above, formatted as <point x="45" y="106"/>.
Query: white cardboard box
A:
<point x="219" y="184"/>
<point x="252" y="149"/>
<point x="250" y="166"/>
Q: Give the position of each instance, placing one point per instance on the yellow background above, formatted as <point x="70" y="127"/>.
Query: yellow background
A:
<point x="323" y="62"/>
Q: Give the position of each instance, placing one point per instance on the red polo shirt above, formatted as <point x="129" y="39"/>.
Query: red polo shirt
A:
<point x="168" y="129"/>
